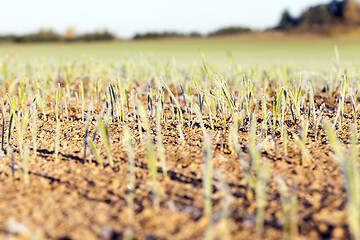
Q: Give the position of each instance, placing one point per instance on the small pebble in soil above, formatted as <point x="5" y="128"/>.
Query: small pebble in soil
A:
<point x="338" y="232"/>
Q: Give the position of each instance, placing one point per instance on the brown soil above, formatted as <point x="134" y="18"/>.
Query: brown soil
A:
<point x="77" y="199"/>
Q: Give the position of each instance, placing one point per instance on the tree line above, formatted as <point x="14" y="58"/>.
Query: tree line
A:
<point x="344" y="13"/>
<point x="51" y="36"/>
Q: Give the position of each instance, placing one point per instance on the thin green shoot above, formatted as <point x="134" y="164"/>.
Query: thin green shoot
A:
<point x="97" y="92"/>
<point x="3" y="125"/>
<point x="249" y="98"/>
<point x="264" y="114"/>
<point x="354" y="108"/>
<point x="181" y="134"/>
<point x="131" y="155"/>
<point x="303" y="152"/>
<point x="160" y="144"/>
<point x="312" y="103"/>
<point x="288" y="210"/>
<point x="350" y="170"/>
<point x="295" y="98"/>
<point x="19" y="137"/>
<point x="81" y="94"/>
<point x="77" y="103"/>
<point x="285" y="145"/>
<point x="225" y="233"/>
<point x="276" y="106"/>
<point x="199" y="117"/>
<point x="261" y="194"/>
<point x="321" y="111"/>
<point x="57" y="141"/>
<point x="11" y="120"/>
<point x="342" y="99"/>
<point x="86" y="131"/>
<point x="207" y="175"/>
<point x="26" y="159"/>
<point x="283" y="107"/>
<point x="254" y="153"/>
<point x="33" y="127"/>
<point x="176" y="102"/>
<point x="12" y="161"/>
<point x="95" y="152"/>
<point x="105" y="137"/>
<point x="57" y="100"/>
<point x="150" y="155"/>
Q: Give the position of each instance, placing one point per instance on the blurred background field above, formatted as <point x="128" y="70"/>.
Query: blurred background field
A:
<point x="265" y="49"/>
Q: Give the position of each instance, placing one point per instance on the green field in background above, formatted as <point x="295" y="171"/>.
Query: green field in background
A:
<point x="248" y="50"/>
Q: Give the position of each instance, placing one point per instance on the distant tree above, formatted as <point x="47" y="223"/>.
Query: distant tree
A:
<point x="351" y="12"/>
<point x="195" y="34"/>
<point x="230" y="31"/>
<point x="323" y="16"/>
<point x="41" y="36"/>
<point x="157" y="35"/>
<point x="7" y="38"/>
<point x="317" y="15"/>
<point x="287" y="21"/>
<point x="97" y="36"/>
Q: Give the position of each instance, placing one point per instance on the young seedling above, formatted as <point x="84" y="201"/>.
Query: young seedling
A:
<point x="86" y="130"/>
<point x="81" y="94"/>
<point x="199" y="117"/>
<point x="296" y="100"/>
<point x="181" y="134"/>
<point x="285" y="144"/>
<point x="3" y="126"/>
<point x="261" y="183"/>
<point x="225" y="90"/>
<point x="303" y="152"/>
<point x="12" y="161"/>
<point x="150" y="155"/>
<point x="342" y="99"/>
<point x="160" y="144"/>
<point x="283" y="107"/>
<point x="264" y="114"/>
<point x="321" y="111"/>
<point x="105" y="137"/>
<point x="26" y="164"/>
<point x="77" y="104"/>
<point x="288" y="210"/>
<point x="57" y="141"/>
<point x="276" y="107"/>
<point x="33" y="126"/>
<point x="19" y="133"/>
<point x="312" y="103"/>
<point x="112" y="101"/>
<point x="131" y="155"/>
<point x="179" y="111"/>
<point x="254" y="153"/>
<point x="11" y="120"/>
<point x="97" y="92"/>
<point x="95" y="152"/>
<point x="354" y="107"/>
<point x="349" y="165"/>
<point x="57" y="100"/>
<point x="249" y="98"/>
<point x="207" y="175"/>
<point x="66" y="105"/>
<point x="226" y="206"/>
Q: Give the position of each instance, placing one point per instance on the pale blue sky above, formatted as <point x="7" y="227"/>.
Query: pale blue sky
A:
<point x="125" y="18"/>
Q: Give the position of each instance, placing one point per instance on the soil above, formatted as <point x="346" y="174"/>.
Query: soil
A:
<point x="77" y="199"/>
